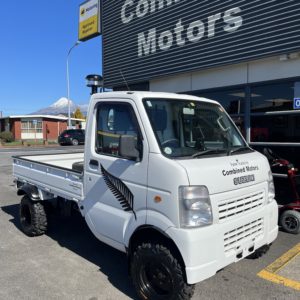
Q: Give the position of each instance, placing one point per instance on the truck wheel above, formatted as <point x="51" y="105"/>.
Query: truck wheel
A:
<point x="157" y="274"/>
<point x="290" y="221"/>
<point x="33" y="217"/>
<point x="75" y="142"/>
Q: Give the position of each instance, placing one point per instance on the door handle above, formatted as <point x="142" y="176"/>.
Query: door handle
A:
<point x="94" y="163"/>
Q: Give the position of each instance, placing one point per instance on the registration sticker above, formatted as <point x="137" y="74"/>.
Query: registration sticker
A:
<point x="168" y="150"/>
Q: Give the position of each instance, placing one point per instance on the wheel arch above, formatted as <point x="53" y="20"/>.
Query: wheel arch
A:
<point x="149" y="233"/>
<point x="30" y="190"/>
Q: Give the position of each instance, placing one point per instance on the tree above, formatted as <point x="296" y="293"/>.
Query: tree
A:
<point x="78" y="114"/>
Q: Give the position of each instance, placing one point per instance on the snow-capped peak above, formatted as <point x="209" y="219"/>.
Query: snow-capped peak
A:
<point x="61" y="107"/>
<point x="62" y="102"/>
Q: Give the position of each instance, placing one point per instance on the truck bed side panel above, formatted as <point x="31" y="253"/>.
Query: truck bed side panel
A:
<point x="54" y="179"/>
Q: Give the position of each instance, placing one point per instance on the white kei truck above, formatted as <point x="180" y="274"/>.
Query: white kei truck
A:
<point x="166" y="178"/>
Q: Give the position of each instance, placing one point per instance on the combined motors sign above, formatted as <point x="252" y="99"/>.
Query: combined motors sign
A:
<point x="89" y="20"/>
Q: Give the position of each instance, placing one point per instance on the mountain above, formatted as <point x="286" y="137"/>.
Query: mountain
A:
<point x="62" y="102"/>
<point x="61" y="107"/>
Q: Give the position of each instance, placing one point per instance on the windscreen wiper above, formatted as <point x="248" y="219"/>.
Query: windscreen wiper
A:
<point x="208" y="152"/>
<point x="240" y="149"/>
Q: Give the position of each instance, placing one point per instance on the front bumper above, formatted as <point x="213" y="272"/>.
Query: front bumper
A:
<point x="208" y="249"/>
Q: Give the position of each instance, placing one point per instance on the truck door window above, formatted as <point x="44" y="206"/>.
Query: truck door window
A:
<point x="113" y="121"/>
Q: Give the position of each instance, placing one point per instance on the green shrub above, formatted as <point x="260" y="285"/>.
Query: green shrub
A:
<point x="6" y="136"/>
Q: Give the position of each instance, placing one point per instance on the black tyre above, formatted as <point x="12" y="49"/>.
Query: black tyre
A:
<point x="33" y="217"/>
<point x="157" y="274"/>
<point x="75" y="142"/>
<point x="290" y="221"/>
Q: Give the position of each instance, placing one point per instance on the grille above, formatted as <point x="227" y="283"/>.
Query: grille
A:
<point x="230" y="208"/>
<point x="236" y="237"/>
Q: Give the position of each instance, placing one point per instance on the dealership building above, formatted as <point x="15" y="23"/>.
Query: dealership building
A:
<point x="244" y="54"/>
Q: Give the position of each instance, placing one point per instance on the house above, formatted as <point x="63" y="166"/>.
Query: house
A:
<point x="37" y="127"/>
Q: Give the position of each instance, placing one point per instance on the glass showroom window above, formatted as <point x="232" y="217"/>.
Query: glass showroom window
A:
<point x="233" y="100"/>
<point x="273" y="118"/>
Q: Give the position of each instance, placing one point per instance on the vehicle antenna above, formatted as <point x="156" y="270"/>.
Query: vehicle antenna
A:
<point x="125" y="81"/>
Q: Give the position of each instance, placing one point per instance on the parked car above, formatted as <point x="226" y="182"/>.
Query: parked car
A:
<point x="72" y="137"/>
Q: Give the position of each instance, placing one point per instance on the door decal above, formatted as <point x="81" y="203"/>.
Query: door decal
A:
<point x="119" y="190"/>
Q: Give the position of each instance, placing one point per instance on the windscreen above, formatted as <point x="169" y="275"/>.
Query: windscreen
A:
<point x="193" y="128"/>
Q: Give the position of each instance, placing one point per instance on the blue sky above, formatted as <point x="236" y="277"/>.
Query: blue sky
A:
<point x="35" y="38"/>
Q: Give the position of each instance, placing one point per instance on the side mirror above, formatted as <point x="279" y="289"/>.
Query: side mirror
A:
<point x="127" y="147"/>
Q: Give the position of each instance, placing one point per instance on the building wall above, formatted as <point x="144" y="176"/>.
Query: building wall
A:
<point x="15" y="126"/>
<point x="53" y="128"/>
<point x="277" y="67"/>
<point x="143" y="40"/>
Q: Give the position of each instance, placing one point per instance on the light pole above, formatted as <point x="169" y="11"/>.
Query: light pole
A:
<point x="68" y="84"/>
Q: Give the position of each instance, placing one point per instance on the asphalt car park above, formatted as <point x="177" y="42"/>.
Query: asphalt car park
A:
<point x="70" y="263"/>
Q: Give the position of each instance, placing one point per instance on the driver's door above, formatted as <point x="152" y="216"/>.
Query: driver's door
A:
<point x="116" y="186"/>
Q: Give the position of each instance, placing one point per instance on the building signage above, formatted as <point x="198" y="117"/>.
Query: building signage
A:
<point x="296" y="103"/>
<point x="144" y="39"/>
<point x="89" y="20"/>
<point x="151" y="41"/>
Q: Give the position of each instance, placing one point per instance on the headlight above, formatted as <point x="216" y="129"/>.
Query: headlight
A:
<point x="271" y="188"/>
<point x="195" y="206"/>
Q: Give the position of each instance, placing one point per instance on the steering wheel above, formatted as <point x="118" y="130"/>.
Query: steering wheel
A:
<point x="173" y="143"/>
